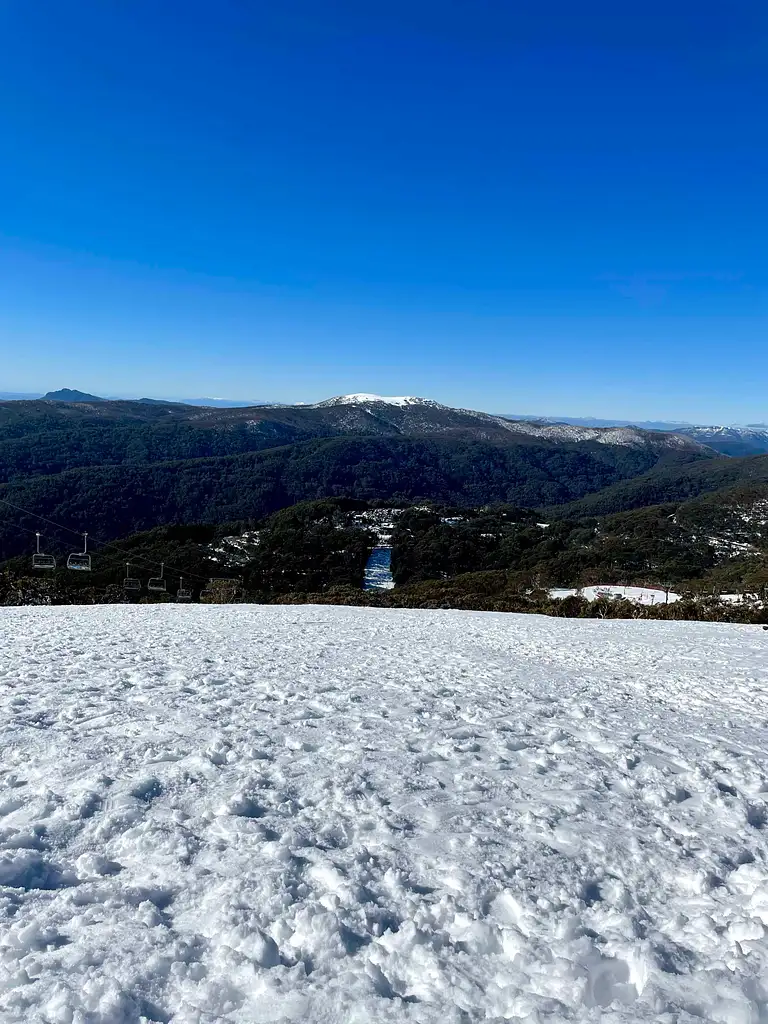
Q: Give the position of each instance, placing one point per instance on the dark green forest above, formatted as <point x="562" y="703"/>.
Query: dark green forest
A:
<point x="669" y="482"/>
<point x="662" y="546"/>
<point x="116" y="501"/>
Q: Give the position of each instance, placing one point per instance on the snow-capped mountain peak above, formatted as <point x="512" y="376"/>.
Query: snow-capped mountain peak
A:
<point x="363" y="398"/>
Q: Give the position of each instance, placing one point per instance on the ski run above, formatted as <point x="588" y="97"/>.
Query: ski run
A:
<point x="347" y="816"/>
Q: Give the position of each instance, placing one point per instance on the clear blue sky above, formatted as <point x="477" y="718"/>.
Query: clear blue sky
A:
<point x="533" y="207"/>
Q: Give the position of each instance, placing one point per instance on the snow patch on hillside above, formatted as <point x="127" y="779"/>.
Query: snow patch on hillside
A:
<point x="637" y="595"/>
<point x="628" y="437"/>
<point x="380" y="521"/>
<point x="344" y="815"/>
<point x="235" y="550"/>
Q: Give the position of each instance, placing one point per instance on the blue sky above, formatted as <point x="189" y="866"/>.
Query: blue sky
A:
<point x="533" y="207"/>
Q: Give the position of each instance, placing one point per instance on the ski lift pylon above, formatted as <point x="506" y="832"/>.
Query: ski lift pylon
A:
<point x="157" y="583"/>
<point x="80" y="560"/>
<point x="131" y="583"/>
<point x="41" y="561"/>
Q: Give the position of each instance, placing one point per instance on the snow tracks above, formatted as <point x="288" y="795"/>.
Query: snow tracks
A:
<point x="356" y="815"/>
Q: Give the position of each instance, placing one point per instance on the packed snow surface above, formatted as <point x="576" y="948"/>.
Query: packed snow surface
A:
<point x="339" y="815"/>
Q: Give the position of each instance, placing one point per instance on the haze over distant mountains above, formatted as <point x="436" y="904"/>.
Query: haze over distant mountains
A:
<point x="593" y="421"/>
<point x="63" y="395"/>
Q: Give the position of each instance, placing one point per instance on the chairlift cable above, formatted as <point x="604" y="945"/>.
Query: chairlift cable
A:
<point x="174" y="570"/>
<point x="50" y="522"/>
<point x="102" y="543"/>
<point x="18" y="526"/>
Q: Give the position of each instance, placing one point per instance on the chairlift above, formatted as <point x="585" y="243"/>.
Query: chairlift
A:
<point x="130" y="583"/>
<point x="157" y="583"/>
<point x="80" y="560"/>
<point x="42" y="561"/>
<point x="182" y="595"/>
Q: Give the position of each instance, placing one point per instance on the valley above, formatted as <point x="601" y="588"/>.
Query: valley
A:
<point x="445" y="505"/>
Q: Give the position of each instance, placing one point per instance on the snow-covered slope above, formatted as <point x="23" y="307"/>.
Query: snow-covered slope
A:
<point x="334" y="815"/>
<point x="365" y="399"/>
<point x="732" y="440"/>
<point x="628" y="437"/>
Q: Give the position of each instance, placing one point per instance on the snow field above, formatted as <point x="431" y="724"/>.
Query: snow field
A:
<point x="359" y="815"/>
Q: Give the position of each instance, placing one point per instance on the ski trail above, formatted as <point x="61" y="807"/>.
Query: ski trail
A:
<point x="378" y="572"/>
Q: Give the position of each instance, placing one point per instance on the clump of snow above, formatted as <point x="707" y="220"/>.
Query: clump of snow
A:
<point x="380" y="521"/>
<point x="755" y="512"/>
<point x="317" y="814"/>
<point x="235" y="550"/>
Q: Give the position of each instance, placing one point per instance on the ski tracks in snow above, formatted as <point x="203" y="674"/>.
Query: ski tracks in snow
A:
<point x="329" y="814"/>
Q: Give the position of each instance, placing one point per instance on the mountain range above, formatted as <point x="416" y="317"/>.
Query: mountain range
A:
<point x="733" y="439"/>
<point x="116" y="467"/>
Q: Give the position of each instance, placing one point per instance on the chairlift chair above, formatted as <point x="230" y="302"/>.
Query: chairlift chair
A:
<point x="40" y="561"/>
<point x="182" y="595"/>
<point x="157" y="583"/>
<point x="81" y="561"/>
<point x="130" y="583"/>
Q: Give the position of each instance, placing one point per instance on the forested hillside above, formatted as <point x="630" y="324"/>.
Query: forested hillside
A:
<point x="128" y="470"/>
<point x="42" y="438"/>
<point x="46" y="437"/>
<point x="669" y="481"/>
<point x="115" y="501"/>
<point x="720" y="540"/>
